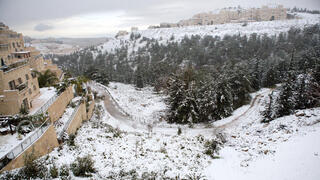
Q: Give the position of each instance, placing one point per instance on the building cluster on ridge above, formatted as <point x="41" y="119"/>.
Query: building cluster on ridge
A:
<point x="226" y="15"/>
<point x="232" y="15"/>
<point x="18" y="81"/>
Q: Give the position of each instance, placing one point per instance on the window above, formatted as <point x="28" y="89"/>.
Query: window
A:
<point x="20" y="80"/>
<point x="34" y="87"/>
<point x="33" y="74"/>
<point x="12" y="85"/>
<point x="13" y="45"/>
<point x="30" y="92"/>
<point x="27" y="76"/>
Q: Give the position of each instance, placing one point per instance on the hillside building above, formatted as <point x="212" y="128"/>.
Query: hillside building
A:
<point x="233" y="15"/>
<point x="18" y="82"/>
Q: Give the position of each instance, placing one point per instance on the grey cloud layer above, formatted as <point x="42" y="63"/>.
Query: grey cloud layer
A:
<point x="22" y="11"/>
<point x="134" y="12"/>
<point x="42" y="27"/>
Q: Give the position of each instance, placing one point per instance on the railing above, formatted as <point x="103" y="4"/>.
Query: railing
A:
<point x="61" y="76"/>
<point x="16" y="65"/>
<point x="25" y="144"/>
<point x="66" y="126"/>
<point x="45" y="107"/>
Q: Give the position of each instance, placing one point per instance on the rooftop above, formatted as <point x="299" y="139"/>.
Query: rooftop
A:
<point x="21" y="52"/>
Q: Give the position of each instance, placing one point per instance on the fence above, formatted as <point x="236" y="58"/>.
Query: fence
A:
<point x="26" y="143"/>
<point x="45" y="107"/>
<point x="60" y="135"/>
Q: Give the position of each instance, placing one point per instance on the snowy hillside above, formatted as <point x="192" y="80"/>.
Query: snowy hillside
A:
<point x="123" y="147"/>
<point x="164" y="34"/>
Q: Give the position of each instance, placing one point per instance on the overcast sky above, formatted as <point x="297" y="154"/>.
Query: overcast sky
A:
<point x="97" y="18"/>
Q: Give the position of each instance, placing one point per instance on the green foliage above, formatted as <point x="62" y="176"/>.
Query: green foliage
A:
<point x="78" y="82"/>
<point x="54" y="171"/>
<point x="33" y="168"/>
<point x="179" y="131"/>
<point x="211" y="148"/>
<point x="72" y="104"/>
<point x="83" y="166"/>
<point x="64" y="171"/>
<point x="47" y="78"/>
<point x="71" y="141"/>
<point x="224" y="70"/>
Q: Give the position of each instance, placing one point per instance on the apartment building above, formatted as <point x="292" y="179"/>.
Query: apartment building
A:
<point x="18" y="83"/>
<point x="233" y="15"/>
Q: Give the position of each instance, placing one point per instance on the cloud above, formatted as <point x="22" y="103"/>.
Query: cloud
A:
<point x="83" y="17"/>
<point x="42" y="27"/>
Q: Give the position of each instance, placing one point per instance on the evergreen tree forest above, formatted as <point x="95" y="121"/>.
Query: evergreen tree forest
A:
<point x="206" y="78"/>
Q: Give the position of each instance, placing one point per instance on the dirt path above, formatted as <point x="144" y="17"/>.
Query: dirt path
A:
<point x="115" y="110"/>
<point x="256" y="100"/>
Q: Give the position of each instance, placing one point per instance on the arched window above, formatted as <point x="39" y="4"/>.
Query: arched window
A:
<point x="2" y="62"/>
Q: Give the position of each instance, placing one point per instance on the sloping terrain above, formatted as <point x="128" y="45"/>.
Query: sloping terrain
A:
<point x="123" y="146"/>
<point x="164" y="35"/>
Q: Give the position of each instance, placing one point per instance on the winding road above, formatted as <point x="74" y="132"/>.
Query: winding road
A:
<point x="116" y="111"/>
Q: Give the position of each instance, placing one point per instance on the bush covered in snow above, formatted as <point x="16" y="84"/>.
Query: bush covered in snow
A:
<point x="83" y="166"/>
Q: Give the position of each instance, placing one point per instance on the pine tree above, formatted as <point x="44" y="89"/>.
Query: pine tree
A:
<point x="285" y="102"/>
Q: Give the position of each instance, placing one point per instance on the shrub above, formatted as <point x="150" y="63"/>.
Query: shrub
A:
<point x="32" y="168"/>
<point x="83" y="166"/>
<point x="71" y="140"/>
<point x="211" y="148"/>
<point x="72" y="104"/>
<point x="163" y="150"/>
<point x="179" y="131"/>
<point x="54" y="172"/>
<point x="64" y="171"/>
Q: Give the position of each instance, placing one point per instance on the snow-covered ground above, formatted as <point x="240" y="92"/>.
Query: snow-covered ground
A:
<point x="143" y="105"/>
<point x="164" y="34"/>
<point x="46" y="93"/>
<point x="116" y="152"/>
<point x="286" y="148"/>
<point x="7" y="142"/>
<point x="294" y="159"/>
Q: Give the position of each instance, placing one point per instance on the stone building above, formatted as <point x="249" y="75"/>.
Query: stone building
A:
<point x="233" y="15"/>
<point x="18" y="83"/>
<point x="121" y="33"/>
<point x="134" y="29"/>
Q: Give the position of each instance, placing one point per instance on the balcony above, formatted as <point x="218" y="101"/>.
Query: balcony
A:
<point x="16" y="65"/>
<point x="4" y="47"/>
<point x="21" y="54"/>
<point x="22" y="86"/>
<point x="10" y="35"/>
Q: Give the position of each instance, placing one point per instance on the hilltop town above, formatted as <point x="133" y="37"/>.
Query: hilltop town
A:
<point x="232" y="15"/>
<point x="226" y="15"/>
